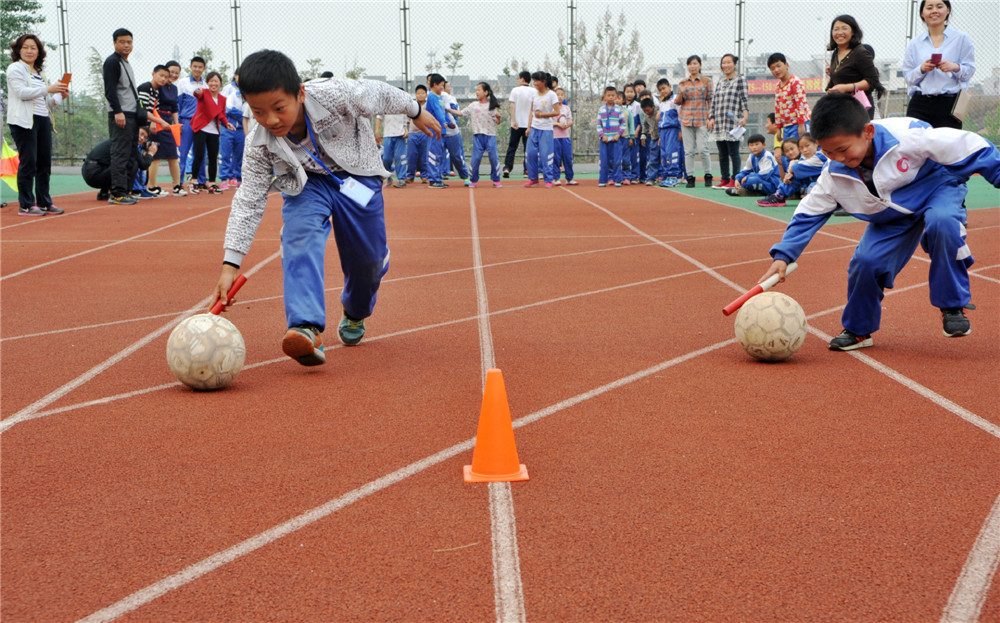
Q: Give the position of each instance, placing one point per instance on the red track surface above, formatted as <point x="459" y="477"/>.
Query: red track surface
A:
<point x="681" y="481"/>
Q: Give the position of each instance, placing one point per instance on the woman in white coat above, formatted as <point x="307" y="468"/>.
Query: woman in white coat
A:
<point x="30" y="124"/>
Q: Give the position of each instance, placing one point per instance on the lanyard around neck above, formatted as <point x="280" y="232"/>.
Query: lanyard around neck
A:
<point x="312" y="138"/>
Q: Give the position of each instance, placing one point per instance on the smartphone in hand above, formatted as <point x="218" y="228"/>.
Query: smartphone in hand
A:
<point x="936" y="59"/>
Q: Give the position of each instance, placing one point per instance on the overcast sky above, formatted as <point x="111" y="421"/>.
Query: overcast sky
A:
<point x="367" y="34"/>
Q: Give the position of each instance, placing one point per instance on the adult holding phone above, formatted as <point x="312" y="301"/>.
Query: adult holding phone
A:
<point x="937" y="66"/>
<point x="31" y="124"/>
<point x="852" y="65"/>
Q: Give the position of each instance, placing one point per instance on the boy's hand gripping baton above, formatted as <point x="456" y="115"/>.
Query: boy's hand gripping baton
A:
<point x="763" y="286"/>
<point x="233" y="289"/>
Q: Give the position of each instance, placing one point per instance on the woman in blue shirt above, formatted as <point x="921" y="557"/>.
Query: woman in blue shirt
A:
<point x="937" y="66"/>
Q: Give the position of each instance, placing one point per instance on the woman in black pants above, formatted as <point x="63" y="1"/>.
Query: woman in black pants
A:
<point x="729" y="110"/>
<point x="937" y="66"/>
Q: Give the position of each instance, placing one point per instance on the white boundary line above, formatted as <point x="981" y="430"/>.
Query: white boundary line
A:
<point x="29" y="412"/>
<point x="109" y="245"/>
<point x="508" y="590"/>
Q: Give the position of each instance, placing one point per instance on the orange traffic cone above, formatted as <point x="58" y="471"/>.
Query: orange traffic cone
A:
<point x="494" y="458"/>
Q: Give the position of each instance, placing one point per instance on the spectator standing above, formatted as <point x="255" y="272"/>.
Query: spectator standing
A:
<point x="729" y="110"/>
<point x="123" y="120"/>
<point x="206" y="123"/>
<point x="694" y="96"/>
<point x="852" y="65"/>
<point x="31" y="125"/>
<point x="187" y="106"/>
<point x="791" y="107"/>
<point x="937" y="67"/>
<point x="520" y="100"/>
<point x="231" y="142"/>
<point x="149" y="99"/>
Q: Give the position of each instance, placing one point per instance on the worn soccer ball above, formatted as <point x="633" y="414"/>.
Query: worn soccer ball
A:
<point x="771" y="326"/>
<point x="206" y="352"/>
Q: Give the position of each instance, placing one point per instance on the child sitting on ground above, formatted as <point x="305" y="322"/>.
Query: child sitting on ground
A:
<point x="908" y="181"/>
<point x="801" y="176"/>
<point x="759" y="174"/>
<point x="789" y="154"/>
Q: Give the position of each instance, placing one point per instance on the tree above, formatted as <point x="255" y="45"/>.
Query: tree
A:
<point x="610" y="57"/>
<point x="17" y="17"/>
<point x="453" y="59"/>
<point x="355" y="72"/>
<point x="95" y="73"/>
<point x="314" y="67"/>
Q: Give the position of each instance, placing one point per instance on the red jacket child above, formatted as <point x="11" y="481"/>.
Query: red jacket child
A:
<point x="208" y="110"/>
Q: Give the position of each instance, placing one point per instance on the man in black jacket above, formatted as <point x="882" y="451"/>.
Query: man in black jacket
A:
<point x="123" y="122"/>
<point x="96" y="168"/>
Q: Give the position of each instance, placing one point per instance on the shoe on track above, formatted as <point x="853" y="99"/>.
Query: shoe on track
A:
<point x="849" y="341"/>
<point x="955" y="323"/>
<point x="771" y="201"/>
<point x="304" y="344"/>
<point x="31" y="211"/>
<point x="350" y="331"/>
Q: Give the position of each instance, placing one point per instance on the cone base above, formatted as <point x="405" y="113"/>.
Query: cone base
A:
<point x="471" y="476"/>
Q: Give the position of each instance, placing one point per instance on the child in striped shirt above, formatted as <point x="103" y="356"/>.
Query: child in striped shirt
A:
<point x="611" y="125"/>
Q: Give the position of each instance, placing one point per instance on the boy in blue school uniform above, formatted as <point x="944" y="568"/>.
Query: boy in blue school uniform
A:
<point x="231" y="142"/>
<point x="437" y="161"/>
<point x="417" y="145"/>
<point x="611" y="125"/>
<point x="760" y="173"/>
<point x="802" y="174"/>
<point x="317" y="142"/>
<point x="908" y="181"/>
<point x="187" y="105"/>
<point x="671" y="151"/>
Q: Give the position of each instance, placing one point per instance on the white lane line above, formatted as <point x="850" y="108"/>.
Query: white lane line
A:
<point x="203" y="567"/>
<point x="977" y="574"/>
<point x="508" y="590"/>
<point x="28" y="412"/>
<point x="967" y="598"/>
<point x="109" y="245"/>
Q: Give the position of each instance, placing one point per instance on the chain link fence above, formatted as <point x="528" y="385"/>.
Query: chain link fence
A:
<point x="586" y="44"/>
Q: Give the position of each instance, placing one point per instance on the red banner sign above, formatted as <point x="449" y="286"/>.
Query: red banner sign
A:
<point x="767" y="87"/>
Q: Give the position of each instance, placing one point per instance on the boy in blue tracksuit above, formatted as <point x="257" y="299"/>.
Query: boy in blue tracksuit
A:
<point x="649" y="139"/>
<point x="231" y="142"/>
<point x="908" y="181"/>
<point x="671" y="152"/>
<point x="187" y="105"/>
<point x="417" y="150"/>
<point x="759" y="174"/>
<point x="453" y="138"/>
<point x="611" y="124"/>
<point x="437" y="163"/>
<point x="802" y="174"/>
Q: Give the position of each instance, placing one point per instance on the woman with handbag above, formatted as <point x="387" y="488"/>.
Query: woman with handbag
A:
<point x="31" y="125"/>
<point x="852" y="65"/>
<point x="937" y="67"/>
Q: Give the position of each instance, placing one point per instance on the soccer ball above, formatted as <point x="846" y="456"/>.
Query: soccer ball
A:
<point x="771" y="326"/>
<point x="205" y="352"/>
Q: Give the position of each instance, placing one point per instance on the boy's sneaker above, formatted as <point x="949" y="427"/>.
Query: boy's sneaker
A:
<point x="850" y="341"/>
<point x="572" y="183"/>
<point x="234" y="183"/>
<point x="708" y="180"/>
<point x="51" y="210"/>
<point x="123" y="200"/>
<point x="531" y="183"/>
<point x="304" y="344"/>
<point x="626" y="182"/>
<point x="179" y="191"/>
<point x="618" y="184"/>
<point x="557" y="183"/>
<point x="31" y="211"/>
<point x="471" y="184"/>
<point x="497" y="185"/>
<point x="506" y="173"/>
<point x="155" y="190"/>
<point x="466" y="183"/>
<point x="724" y="185"/>
<point x="601" y="185"/>
<point x="649" y="182"/>
<point x="548" y="184"/>
<point x="437" y="185"/>
<point x="955" y="322"/>
<point x="399" y="184"/>
<point x="772" y="201"/>
<point x="350" y="331"/>
<point x="145" y="194"/>
<point x="224" y="186"/>
<point x="690" y="181"/>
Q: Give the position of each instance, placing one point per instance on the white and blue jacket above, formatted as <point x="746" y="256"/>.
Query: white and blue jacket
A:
<point x="912" y="160"/>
